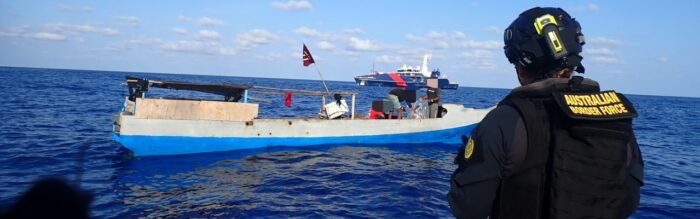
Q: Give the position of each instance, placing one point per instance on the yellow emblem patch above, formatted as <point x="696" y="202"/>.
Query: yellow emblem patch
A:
<point x="469" y="149"/>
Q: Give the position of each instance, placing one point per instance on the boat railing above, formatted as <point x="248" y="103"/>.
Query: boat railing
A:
<point x="323" y="94"/>
<point x="232" y="92"/>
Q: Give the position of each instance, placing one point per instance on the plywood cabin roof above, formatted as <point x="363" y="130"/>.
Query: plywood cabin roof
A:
<point x="221" y="89"/>
<point x="226" y="89"/>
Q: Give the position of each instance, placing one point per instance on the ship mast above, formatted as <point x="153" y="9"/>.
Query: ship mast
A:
<point x="424" y="69"/>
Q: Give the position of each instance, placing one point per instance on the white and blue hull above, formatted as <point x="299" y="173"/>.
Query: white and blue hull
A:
<point x="148" y="137"/>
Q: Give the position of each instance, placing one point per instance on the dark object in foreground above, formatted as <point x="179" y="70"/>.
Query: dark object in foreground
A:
<point x="51" y="198"/>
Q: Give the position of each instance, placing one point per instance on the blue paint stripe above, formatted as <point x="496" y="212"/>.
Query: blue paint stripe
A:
<point x="171" y="145"/>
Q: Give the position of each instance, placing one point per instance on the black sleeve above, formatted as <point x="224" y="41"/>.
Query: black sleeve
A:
<point x="636" y="163"/>
<point x="475" y="183"/>
<point x="473" y="201"/>
<point x="636" y="177"/>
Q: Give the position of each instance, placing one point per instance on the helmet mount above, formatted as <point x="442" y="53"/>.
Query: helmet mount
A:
<point x="544" y="39"/>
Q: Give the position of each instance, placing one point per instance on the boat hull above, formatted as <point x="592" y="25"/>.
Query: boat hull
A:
<point x="172" y="145"/>
<point x="414" y="82"/>
<point x="149" y="137"/>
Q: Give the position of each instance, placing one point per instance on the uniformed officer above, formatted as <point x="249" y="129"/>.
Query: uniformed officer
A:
<point x="555" y="147"/>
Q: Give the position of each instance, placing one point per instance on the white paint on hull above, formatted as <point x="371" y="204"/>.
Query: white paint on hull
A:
<point x="457" y="116"/>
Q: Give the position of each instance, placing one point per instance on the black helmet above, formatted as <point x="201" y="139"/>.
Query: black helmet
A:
<point x="544" y="39"/>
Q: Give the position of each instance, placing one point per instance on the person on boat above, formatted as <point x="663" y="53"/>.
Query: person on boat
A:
<point x="432" y="95"/>
<point x="377" y="110"/>
<point x="396" y="96"/>
<point x="555" y="147"/>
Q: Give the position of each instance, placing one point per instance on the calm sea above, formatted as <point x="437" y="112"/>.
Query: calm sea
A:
<point x="58" y="123"/>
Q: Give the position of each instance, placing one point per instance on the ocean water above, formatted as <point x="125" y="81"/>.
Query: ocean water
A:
<point x="58" y="123"/>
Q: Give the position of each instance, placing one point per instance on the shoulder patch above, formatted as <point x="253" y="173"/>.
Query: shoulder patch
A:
<point x="605" y="105"/>
<point x="469" y="149"/>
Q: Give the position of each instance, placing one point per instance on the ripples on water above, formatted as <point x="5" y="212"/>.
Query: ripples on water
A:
<point x="58" y="122"/>
<point x="337" y="181"/>
<point x="668" y="131"/>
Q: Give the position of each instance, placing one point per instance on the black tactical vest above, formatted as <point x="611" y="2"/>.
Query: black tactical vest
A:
<point x="582" y="157"/>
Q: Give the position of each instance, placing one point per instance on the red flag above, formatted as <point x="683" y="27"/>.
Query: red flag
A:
<point x="288" y="99"/>
<point x="308" y="60"/>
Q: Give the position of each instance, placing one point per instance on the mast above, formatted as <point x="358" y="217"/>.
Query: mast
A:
<point x="424" y="69"/>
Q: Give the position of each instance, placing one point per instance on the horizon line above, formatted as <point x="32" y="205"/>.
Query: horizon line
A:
<point x="190" y="74"/>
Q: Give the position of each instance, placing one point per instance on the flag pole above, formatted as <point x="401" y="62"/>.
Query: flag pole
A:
<point x="324" y="81"/>
<point x="312" y="61"/>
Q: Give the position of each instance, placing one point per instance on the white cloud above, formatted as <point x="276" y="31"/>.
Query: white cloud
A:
<point x="305" y="31"/>
<point x="440" y="39"/>
<point x="179" y="30"/>
<point x="202" y="21"/>
<point x="493" y="29"/>
<point x="606" y="60"/>
<point x="48" y="36"/>
<point x="206" y="21"/>
<point x="71" y="29"/>
<point x="476" y="54"/>
<point x="255" y="37"/>
<point x="458" y="35"/>
<point x="342" y="37"/>
<point x="325" y="45"/>
<point x="412" y="38"/>
<point x="587" y="8"/>
<point x="144" y="41"/>
<point x="605" y="41"/>
<point x="437" y="40"/>
<point x="599" y="51"/>
<point x="129" y="20"/>
<point x="14" y="32"/>
<point x="198" y="47"/>
<point x="348" y="53"/>
<point x="272" y="56"/>
<point x="478" y="59"/>
<point x="208" y="42"/>
<point x="480" y="44"/>
<point x="442" y="45"/>
<point x="616" y="72"/>
<point x="662" y="60"/>
<point x="388" y="59"/>
<point x="437" y="35"/>
<point x="353" y="31"/>
<point x="443" y="40"/>
<point x="357" y="44"/>
<point x="603" y="55"/>
<point x="208" y="34"/>
<point x="58" y="32"/>
<point x="292" y="5"/>
<point x="69" y="8"/>
<point x="108" y="32"/>
<point x="294" y="55"/>
<point x="483" y="64"/>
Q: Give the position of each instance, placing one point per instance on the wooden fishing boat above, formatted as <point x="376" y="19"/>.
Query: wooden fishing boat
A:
<point x="157" y="126"/>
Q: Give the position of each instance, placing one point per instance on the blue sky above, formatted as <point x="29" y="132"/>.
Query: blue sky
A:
<point x="638" y="47"/>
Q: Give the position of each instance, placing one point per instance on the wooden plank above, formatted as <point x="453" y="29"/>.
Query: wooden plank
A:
<point x="194" y="110"/>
